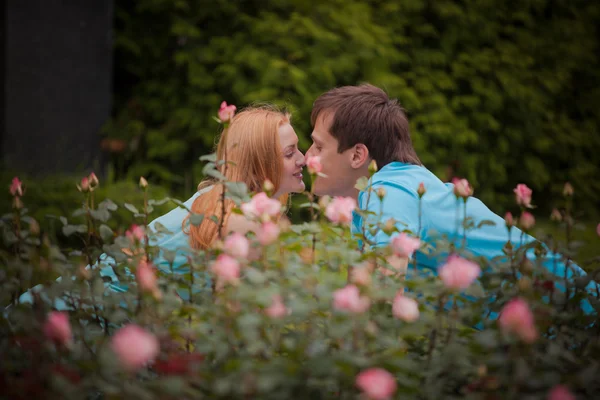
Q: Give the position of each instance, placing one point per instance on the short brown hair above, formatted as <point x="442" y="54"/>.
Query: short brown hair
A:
<point x="365" y="114"/>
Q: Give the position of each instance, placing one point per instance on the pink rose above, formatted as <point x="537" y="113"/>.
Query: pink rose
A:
<point x="236" y="245"/>
<point x="404" y="245"/>
<point x="85" y="185"/>
<point x="376" y="383"/>
<point x="458" y="273"/>
<point x="527" y="221"/>
<point x="94" y="182"/>
<point x="397" y="266"/>
<point x="226" y="268"/>
<point x="135" y="233"/>
<point x="361" y="276"/>
<point x="226" y="112"/>
<point x="145" y="276"/>
<point x="249" y="210"/>
<point x="277" y="309"/>
<point x="58" y="328"/>
<point x="135" y="347"/>
<point x="516" y="317"/>
<point x="555" y="215"/>
<point x="598" y="229"/>
<point x="462" y="188"/>
<point x="268" y="233"/>
<point x="560" y="392"/>
<point x="349" y="299"/>
<point x="15" y="187"/>
<point x="261" y="206"/>
<point x="339" y="210"/>
<point x="568" y="190"/>
<point x="421" y="190"/>
<point x="268" y="186"/>
<point x="405" y="308"/>
<point x="313" y="163"/>
<point x="509" y="220"/>
<point x="523" y="195"/>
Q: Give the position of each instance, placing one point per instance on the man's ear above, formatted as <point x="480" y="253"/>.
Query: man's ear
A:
<point x="360" y="156"/>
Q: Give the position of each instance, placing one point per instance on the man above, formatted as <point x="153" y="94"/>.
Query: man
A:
<point x="354" y="125"/>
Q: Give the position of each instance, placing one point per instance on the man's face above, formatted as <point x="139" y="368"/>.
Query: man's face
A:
<point x="341" y="177"/>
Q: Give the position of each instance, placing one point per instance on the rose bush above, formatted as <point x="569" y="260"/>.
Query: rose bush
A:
<point x="314" y="315"/>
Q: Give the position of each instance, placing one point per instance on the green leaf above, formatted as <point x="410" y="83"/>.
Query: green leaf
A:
<point x="362" y="183"/>
<point x="255" y="276"/>
<point x="158" y="202"/>
<point x="68" y="230"/>
<point x="485" y="222"/>
<point x="100" y="214"/>
<point x="238" y="189"/>
<point x="79" y="212"/>
<point x="106" y="233"/>
<point x="209" y="157"/>
<point x="249" y="321"/>
<point x="180" y="204"/>
<point x="196" y="219"/>
<point x="98" y="287"/>
<point x="171" y="386"/>
<point x="475" y="290"/>
<point x="487" y="338"/>
<point x="131" y="208"/>
<point x="582" y="281"/>
<point x="160" y="228"/>
<point x="108" y="204"/>
<point x="216" y="174"/>
<point x="169" y="255"/>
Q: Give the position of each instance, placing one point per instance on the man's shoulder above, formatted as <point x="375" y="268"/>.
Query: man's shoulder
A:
<point x="405" y="177"/>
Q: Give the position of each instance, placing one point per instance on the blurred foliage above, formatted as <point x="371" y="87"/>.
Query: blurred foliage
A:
<point x="51" y="197"/>
<point x="496" y="92"/>
<point x="174" y="335"/>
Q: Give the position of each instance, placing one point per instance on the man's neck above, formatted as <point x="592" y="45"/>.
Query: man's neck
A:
<point x="353" y="193"/>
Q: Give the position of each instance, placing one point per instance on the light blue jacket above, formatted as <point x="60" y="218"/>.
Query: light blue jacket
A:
<point x="439" y="217"/>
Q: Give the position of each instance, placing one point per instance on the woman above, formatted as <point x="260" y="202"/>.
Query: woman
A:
<point x="260" y="144"/>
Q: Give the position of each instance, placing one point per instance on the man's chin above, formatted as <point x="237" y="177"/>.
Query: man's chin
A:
<point x="319" y="190"/>
<point x="325" y="187"/>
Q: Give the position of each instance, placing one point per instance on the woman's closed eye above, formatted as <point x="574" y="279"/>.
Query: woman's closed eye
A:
<point x="290" y="154"/>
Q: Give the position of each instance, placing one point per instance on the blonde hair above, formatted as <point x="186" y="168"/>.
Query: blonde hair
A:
<point x="251" y="146"/>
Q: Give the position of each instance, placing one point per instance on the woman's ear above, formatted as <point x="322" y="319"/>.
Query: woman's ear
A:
<point x="360" y="156"/>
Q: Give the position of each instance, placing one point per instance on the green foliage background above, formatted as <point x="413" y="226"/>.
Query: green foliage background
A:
<point x="497" y="92"/>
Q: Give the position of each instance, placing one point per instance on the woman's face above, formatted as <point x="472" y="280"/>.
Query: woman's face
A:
<point x="293" y="162"/>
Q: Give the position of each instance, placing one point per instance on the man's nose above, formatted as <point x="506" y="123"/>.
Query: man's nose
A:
<point x="308" y="153"/>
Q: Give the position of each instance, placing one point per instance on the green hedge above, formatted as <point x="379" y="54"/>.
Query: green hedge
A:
<point x="497" y="92"/>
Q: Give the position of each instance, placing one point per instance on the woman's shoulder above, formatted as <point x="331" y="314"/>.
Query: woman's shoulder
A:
<point x="172" y="220"/>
